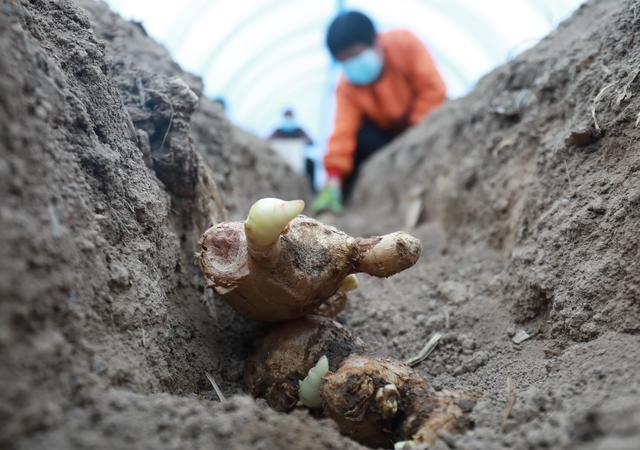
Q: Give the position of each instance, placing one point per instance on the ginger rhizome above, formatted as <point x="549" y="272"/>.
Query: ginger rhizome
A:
<point x="279" y="265"/>
<point x="380" y="401"/>
<point x="289" y="351"/>
<point x="376" y="401"/>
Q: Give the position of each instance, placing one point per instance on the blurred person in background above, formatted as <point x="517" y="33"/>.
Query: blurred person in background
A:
<point x="389" y="84"/>
<point x="290" y="140"/>
<point x="221" y="103"/>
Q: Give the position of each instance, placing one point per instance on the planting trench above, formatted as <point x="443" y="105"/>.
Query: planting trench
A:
<point x="525" y="194"/>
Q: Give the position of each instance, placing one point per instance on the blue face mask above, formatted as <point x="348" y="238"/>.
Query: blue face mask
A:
<point x="288" y="124"/>
<point x="364" y="68"/>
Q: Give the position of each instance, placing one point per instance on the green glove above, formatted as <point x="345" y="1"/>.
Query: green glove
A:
<point x="329" y="199"/>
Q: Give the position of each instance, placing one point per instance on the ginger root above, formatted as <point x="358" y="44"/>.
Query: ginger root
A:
<point x="279" y="265"/>
<point x="376" y="401"/>
<point x="354" y="397"/>
<point x="379" y="401"/>
<point x="289" y="351"/>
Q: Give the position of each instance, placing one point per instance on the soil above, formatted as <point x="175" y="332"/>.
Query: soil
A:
<point x="525" y="193"/>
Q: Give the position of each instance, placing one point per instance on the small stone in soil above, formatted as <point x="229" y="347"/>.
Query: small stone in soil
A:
<point x="520" y="337"/>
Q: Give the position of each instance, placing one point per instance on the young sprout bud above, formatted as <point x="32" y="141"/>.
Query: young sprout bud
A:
<point x="267" y="218"/>
<point x="310" y="387"/>
<point x="387" y="398"/>
<point x="349" y="283"/>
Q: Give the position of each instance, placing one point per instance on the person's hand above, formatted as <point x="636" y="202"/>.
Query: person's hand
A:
<point x="329" y="198"/>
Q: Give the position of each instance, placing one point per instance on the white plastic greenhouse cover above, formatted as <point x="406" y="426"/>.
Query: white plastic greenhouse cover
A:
<point x="265" y="55"/>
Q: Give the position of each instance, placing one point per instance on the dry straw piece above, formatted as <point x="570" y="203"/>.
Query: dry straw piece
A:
<point x="426" y="350"/>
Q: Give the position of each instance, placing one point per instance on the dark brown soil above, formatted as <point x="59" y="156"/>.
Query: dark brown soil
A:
<point x="113" y="163"/>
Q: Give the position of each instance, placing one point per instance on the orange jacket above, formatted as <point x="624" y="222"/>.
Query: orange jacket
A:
<point x="409" y="88"/>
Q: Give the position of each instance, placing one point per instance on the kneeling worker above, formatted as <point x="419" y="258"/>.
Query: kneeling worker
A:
<point x="390" y="83"/>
